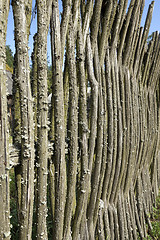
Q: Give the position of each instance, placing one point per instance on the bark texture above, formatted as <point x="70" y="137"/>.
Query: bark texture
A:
<point x="103" y="168"/>
<point x="42" y="118"/>
<point x="22" y="15"/>
<point x="4" y="130"/>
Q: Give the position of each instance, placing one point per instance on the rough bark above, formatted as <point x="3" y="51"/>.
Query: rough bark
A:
<point x="104" y="156"/>
<point x="4" y="136"/>
<point x="22" y="14"/>
<point x="42" y="117"/>
<point x="59" y="130"/>
<point x="72" y="133"/>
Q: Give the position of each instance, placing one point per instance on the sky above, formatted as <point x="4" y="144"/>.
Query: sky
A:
<point x="155" y="26"/>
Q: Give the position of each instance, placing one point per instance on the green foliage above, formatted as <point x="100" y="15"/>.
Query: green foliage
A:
<point x="155" y="232"/>
<point x="13" y="202"/>
<point x="9" y="57"/>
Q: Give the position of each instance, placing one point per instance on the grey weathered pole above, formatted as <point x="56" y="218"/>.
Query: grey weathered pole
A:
<point x="4" y="136"/>
<point x="22" y="26"/>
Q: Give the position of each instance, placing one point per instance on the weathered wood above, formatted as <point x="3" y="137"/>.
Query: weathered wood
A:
<point x="102" y="150"/>
<point x="26" y="196"/>
<point x="4" y="136"/>
<point x="14" y="156"/>
<point x="59" y="130"/>
<point x="43" y="20"/>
